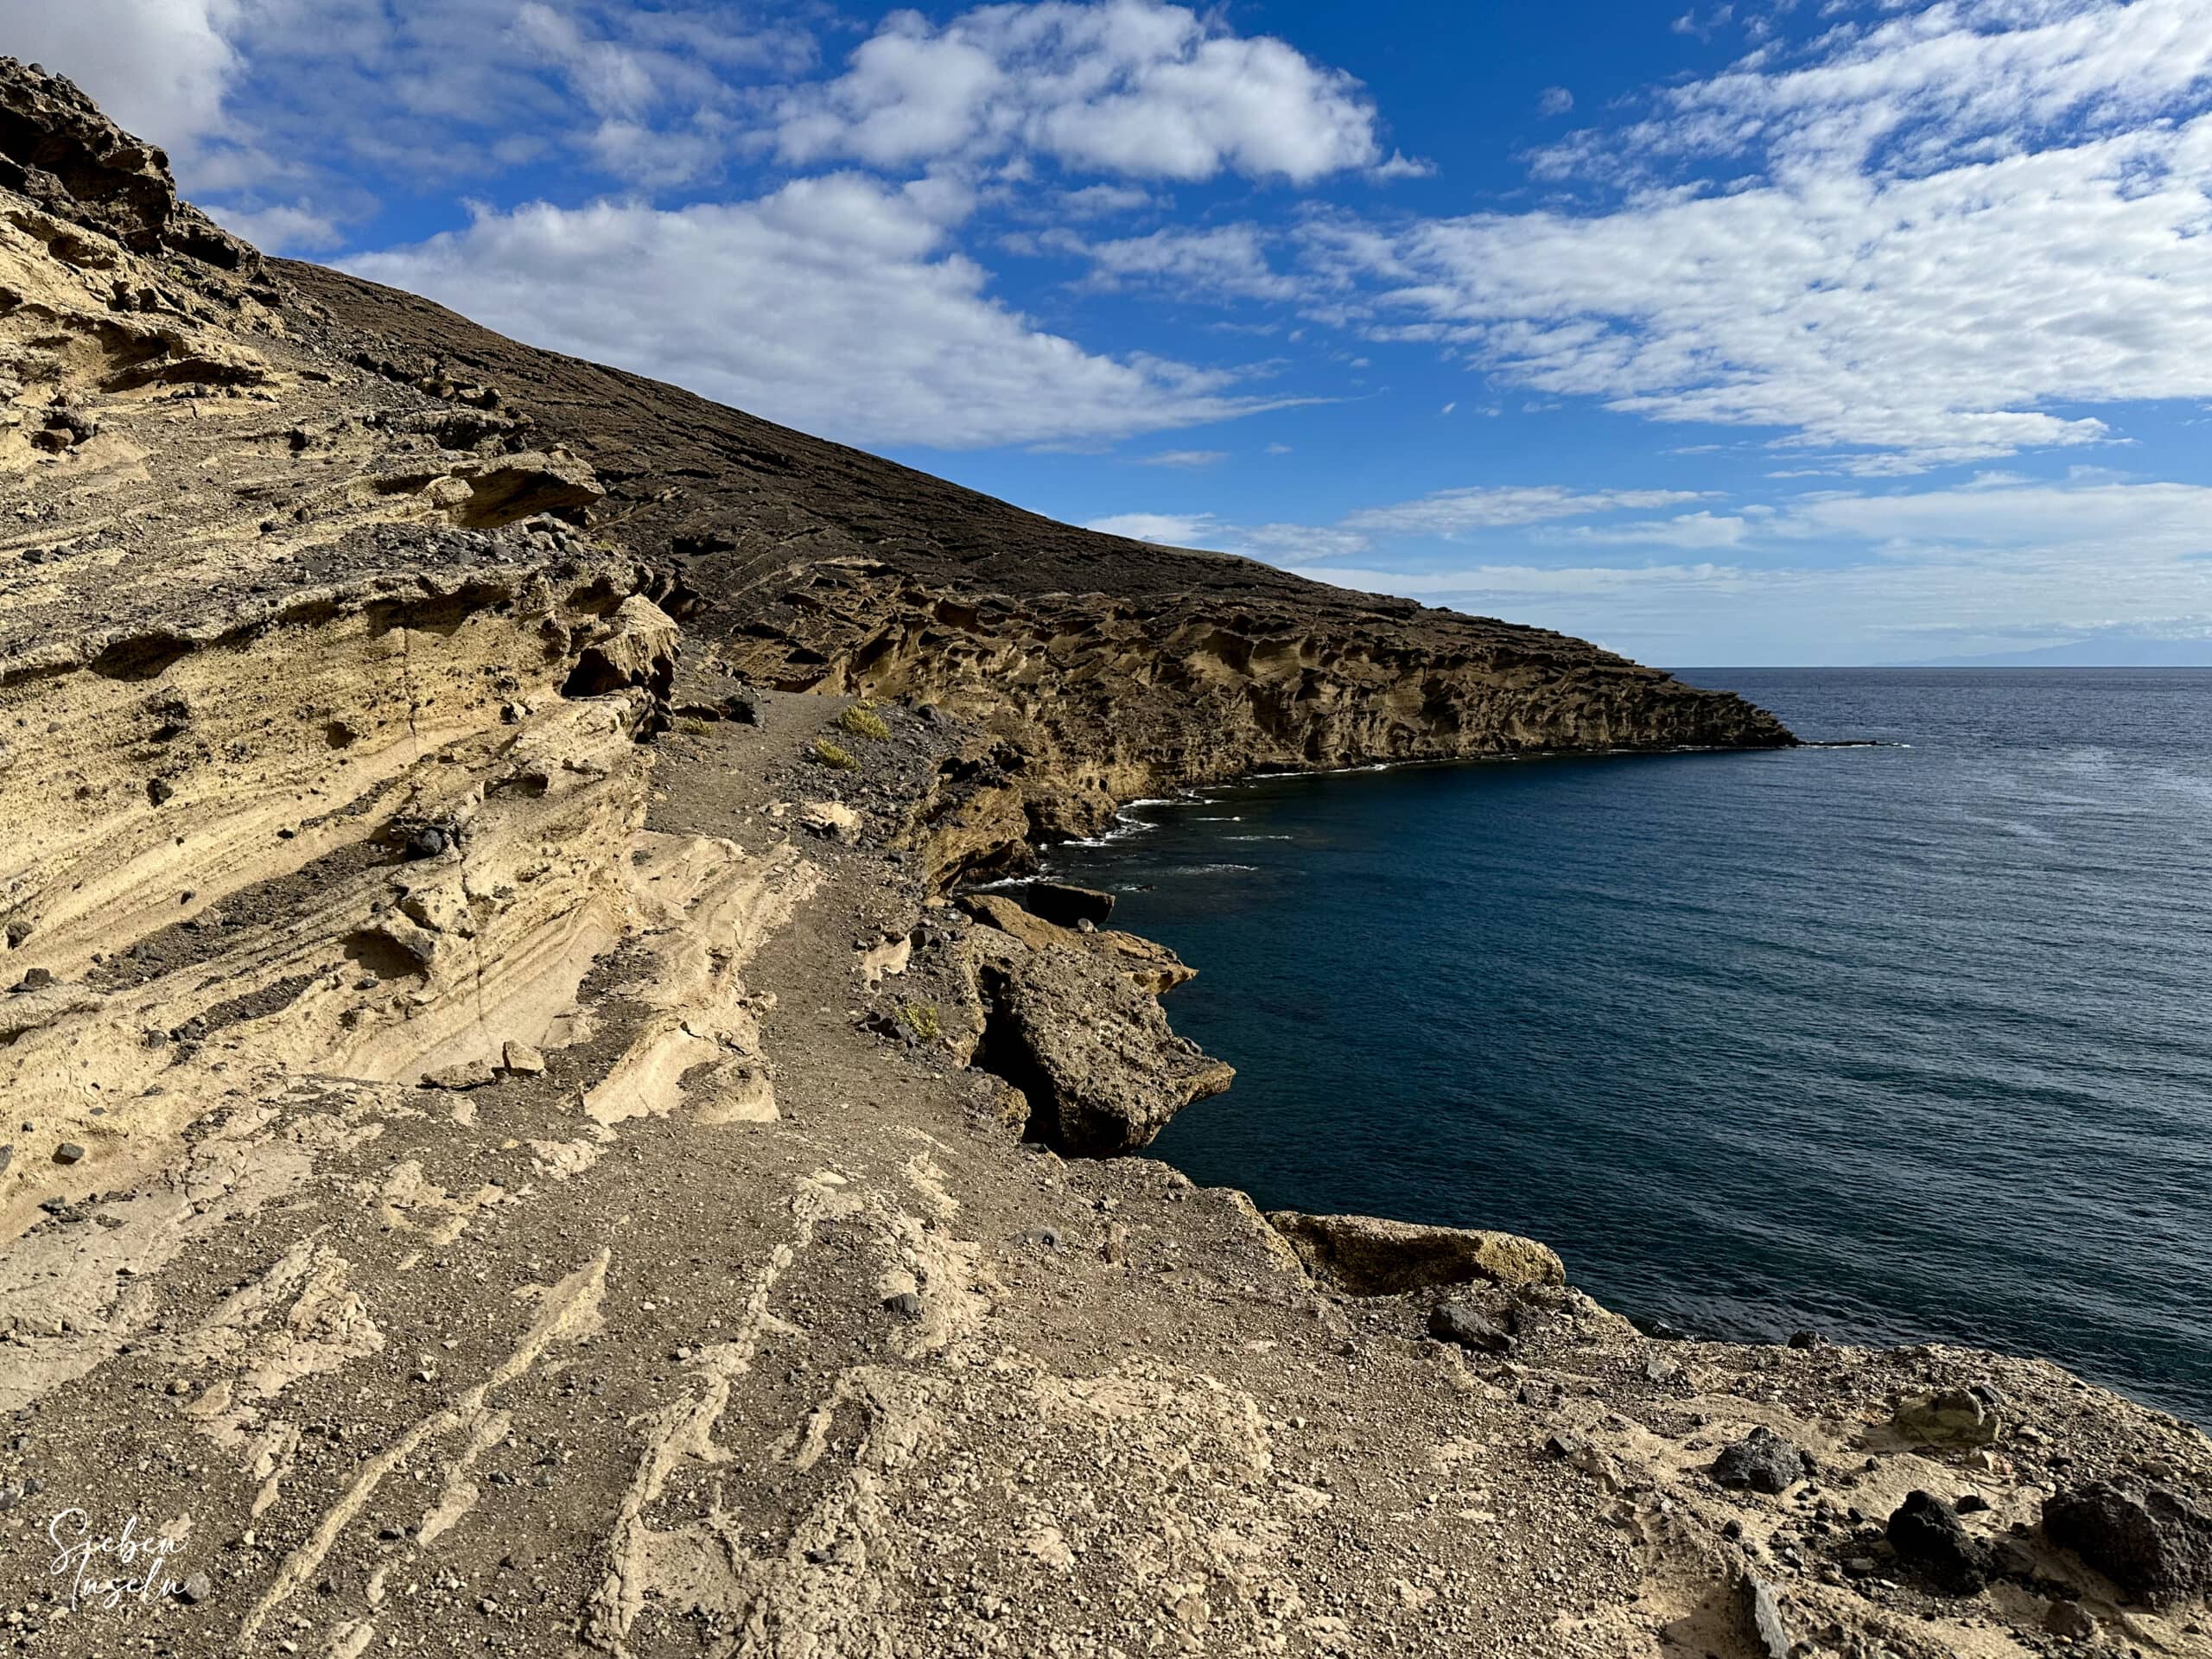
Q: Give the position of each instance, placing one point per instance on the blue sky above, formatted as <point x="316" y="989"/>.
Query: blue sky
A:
<point x="1775" y="333"/>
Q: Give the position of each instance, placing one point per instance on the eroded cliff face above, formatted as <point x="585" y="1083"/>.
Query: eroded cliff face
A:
<point x="1106" y="669"/>
<point x="510" y="1145"/>
<point x="1102" y="699"/>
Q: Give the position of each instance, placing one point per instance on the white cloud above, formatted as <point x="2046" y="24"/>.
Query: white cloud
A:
<point x="1555" y="101"/>
<point x="1688" y="531"/>
<point x="1527" y="581"/>
<point x="1223" y="261"/>
<point x="1168" y="529"/>
<point x="1128" y="87"/>
<point x="1951" y="232"/>
<point x="297" y="228"/>
<point x="1185" y="458"/>
<point x="833" y="305"/>
<point x="1860" y="577"/>
<point x="1452" y="512"/>
<point x="159" y="68"/>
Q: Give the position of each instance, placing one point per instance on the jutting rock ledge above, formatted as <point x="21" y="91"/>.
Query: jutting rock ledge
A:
<point x="517" y="1139"/>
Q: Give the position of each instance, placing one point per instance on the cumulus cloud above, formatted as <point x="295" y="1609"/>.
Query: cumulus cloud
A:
<point x="1125" y="86"/>
<point x="834" y="305"/>
<point x="161" y="67"/>
<point x="1555" y="101"/>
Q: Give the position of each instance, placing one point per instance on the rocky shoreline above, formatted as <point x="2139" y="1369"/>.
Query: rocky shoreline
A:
<point x="521" y="1137"/>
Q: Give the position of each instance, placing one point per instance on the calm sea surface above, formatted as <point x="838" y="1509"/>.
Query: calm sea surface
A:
<point x="1906" y="1043"/>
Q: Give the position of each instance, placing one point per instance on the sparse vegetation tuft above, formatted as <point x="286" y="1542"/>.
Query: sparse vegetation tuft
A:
<point x="830" y="755"/>
<point x="922" y="1020"/>
<point x="863" y="721"/>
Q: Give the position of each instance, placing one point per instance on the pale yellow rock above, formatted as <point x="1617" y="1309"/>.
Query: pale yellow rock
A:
<point x="1367" y="1255"/>
<point x="833" y="820"/>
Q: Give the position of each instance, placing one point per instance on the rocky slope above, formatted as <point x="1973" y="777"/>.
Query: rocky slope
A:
<point x="514" y="1143"/>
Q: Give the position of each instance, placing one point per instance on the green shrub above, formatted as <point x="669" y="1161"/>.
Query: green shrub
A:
<point x="830" y="755"/>
<point x="922" y="1020"/>
<point x="863" y="721"/>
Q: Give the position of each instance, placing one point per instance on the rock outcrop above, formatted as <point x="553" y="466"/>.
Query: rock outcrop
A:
<point x="1369" y="1256"/>
<point x="513" y="1145"/>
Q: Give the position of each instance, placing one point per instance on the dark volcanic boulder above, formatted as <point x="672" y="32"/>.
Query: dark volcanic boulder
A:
<point x="1763" y="1461"/>
<point x="1926" y="1533"/>
<point x="2151" y="1543"/>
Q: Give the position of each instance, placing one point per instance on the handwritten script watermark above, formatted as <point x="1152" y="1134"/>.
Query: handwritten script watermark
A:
<point x="106" y="1569"/>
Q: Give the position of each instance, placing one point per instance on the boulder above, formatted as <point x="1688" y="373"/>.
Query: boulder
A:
<point x="1762" y="1622"/>
<point x="1761" y="1462"/>
<point x="1926" y="1533"/>
<point x="1367" y="1255"/>
<point x="1091" y="1053"/>
<point x="2152" y="1541"/>
<point x="1949" y="1417"/>
<point x="1069" y="905"/>
<point x="1151" y="966"/>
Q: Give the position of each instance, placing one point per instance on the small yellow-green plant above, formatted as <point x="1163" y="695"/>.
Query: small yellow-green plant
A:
<point x="922" y="1020"/>
<point x="690" y="726"/>
<point x="863" y="721"/>
<point x="830" y="755"/>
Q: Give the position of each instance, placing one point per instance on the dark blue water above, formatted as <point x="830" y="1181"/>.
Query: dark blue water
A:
<point x="1906" y="1043"/>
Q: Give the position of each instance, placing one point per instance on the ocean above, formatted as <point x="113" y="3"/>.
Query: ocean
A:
<point x="1896" y="1043"/>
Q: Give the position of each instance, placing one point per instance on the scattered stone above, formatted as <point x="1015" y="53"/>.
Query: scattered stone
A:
<point x="428" y="842"/>
<point x="832" y="820"/>
<point x="1807" y="1340"/>
<point x="1763" y="1461"/>
<point x="2152" y="1541"/>
<point x="469" y="1074"/>
<point x="521" y="1060"/>
<point x="1454" y="1322"/>
<point x="908" y="1305"/>
<point x="1971" y="1504"/>
<point x="195" y="1589"/>
<point x="1949" y="1417"/>
<point x="68" y="1153"/>
<point x="2069" y="1621"/>
<point x="38" y="979"/>
<point x="1657" y="1369"/>
<point x="1564" y="1444"/>
<point x="1770" y="1636"/>
<point x="1046" y="1238"/>
<point x="1366" y="1255"/>
<point x="1925" y="1532"/>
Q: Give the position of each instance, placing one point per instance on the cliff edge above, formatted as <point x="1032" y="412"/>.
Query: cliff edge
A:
<point x="515" y="1141"/>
